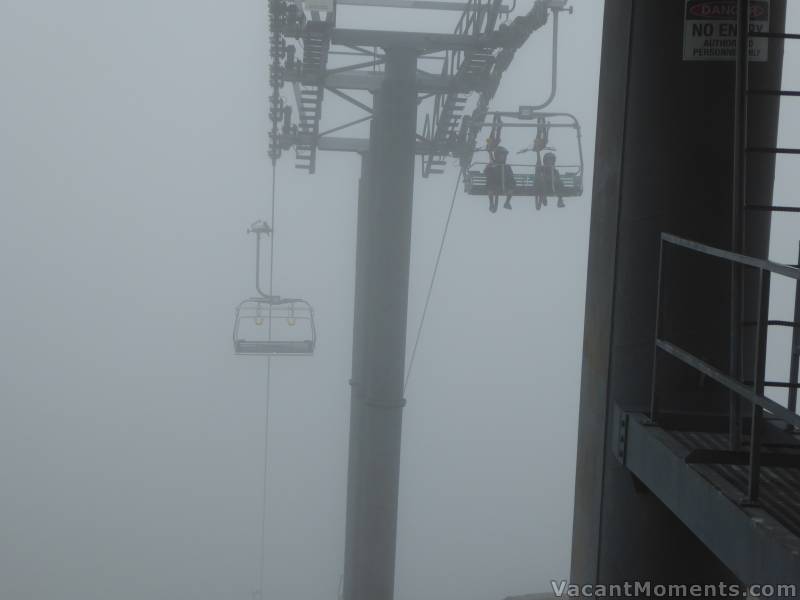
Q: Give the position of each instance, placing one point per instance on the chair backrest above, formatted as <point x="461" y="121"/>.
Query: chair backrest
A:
<point x="529" y="182"/>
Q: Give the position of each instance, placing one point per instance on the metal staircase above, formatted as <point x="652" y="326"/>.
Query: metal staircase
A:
<point x="309" y="93"/>
<point x="468" y="68"/>
<point x="517" y="32"/>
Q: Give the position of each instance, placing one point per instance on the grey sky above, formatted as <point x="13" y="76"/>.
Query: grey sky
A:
<point x="133" y="158"/>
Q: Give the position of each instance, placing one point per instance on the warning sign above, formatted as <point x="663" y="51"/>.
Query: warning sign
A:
<point x="710" y="30"/>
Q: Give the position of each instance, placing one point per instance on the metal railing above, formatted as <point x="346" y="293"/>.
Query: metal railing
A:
<point x="750" y="391"/>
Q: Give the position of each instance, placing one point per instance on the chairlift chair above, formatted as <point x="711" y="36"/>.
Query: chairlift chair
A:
<point x="274" y="326"/>
<point x="528" y="176"/>
<point x="268" y="325"/>
<point x="526" y="180"/>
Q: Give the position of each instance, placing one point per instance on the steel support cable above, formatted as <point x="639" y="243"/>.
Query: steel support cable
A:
<point x="433" y="280"/>
<point x="260" y="595"/>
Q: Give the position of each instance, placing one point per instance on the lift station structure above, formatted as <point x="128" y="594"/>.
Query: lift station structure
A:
<point x="688" y="457"/>
<point x="387" y="64"/>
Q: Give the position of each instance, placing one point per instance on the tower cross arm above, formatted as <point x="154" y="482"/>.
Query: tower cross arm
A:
<point x="416" y="40"/>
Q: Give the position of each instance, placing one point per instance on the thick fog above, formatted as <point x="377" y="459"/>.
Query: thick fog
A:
<point x="133" y="158"/>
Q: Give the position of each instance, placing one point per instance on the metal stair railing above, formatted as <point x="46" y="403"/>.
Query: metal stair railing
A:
<point x="750" y="391"/>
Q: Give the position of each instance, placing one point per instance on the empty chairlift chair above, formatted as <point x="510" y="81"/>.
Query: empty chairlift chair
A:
<point x="268" y="325"/>
<point x="274" y="326"/>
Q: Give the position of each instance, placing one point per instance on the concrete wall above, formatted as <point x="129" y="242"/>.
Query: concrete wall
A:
<point x="663" y="163"/>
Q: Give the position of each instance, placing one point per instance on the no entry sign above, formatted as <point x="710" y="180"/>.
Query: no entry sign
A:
<point x="710" y="30"/>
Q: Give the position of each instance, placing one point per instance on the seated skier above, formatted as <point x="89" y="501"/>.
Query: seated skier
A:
<point x="499" y="176"/>
<point x="549" y="180"/>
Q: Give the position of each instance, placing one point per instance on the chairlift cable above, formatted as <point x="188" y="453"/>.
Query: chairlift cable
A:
<point x="267" y="404"/>
<point x="433" y="280"/>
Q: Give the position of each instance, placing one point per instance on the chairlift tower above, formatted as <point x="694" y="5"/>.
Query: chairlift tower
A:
<point x="474" y="58"/>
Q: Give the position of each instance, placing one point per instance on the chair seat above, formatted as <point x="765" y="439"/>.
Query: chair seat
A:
<point x="273" y="347"/>
<point x="526" y="185"/>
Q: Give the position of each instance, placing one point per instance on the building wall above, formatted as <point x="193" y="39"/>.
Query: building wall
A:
<point x="662" y="163"/>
